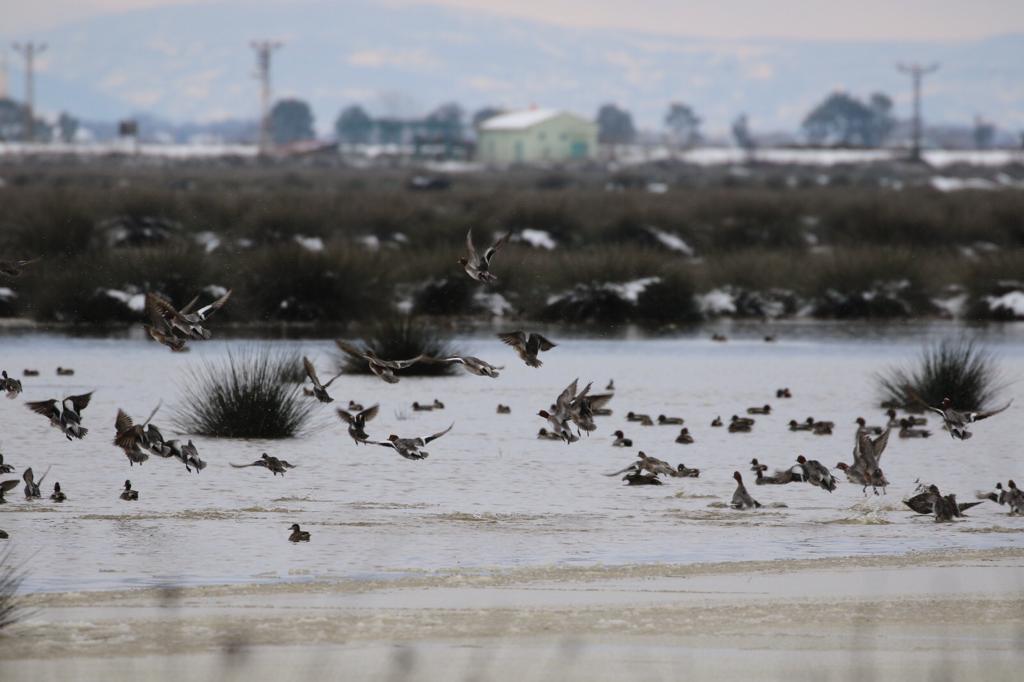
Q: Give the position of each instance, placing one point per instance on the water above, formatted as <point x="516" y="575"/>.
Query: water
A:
<point x="490" y="495"/>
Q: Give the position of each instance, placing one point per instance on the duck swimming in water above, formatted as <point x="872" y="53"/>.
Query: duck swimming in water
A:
<point x="544" y="434"/>
<point x="410" y="447"/>
<point x="741" y="499"/>
<point x="58" y="495"/>
<point x="642" y="419"/>
<point x="907" y="431"/>
<point x="504" y="409"/>
<point x="298" y="535"/>
<point x="957" y="421"/>
<point x="667" y="421"/>
<point x="684" y="437"/>
<point x="477" y="267"/>
<point x="764" y="409"/>
<point x="128" y="494"/>
<point x="621" y="441"/>
<point x="684" y="471"/>
<point x="353" y="406"/>
<point x="319" y="389"/>
<point x="272" y="464"/>
<point x="638" y="477"/>
<point x="65" y="416"/>
<point x="30" y="372"/>
<point x="527" y="346"/>
<point x="862" y="426"/>
<point x="357" y="422"/>
<point x="717" y="421"/>
<point x="65" y="372"/>
<point x="794" y="425"/>
<point x="794" y="475"/>
<point x="783" y="393"/>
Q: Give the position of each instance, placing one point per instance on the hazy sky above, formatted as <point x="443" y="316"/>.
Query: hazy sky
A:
<point x="808" y="19"/>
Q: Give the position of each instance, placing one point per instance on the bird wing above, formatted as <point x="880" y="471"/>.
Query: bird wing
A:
<point x="153" y="413"/>
<point x="43" y="477"/>
<point x="985" y="415"/>
<point x="370" y="412"/>
<point x="242" y="466"/>
<point x="514" y="339"/>
<point x="345" y="416"/>
<point x="878" y="444"/>
<point x="566" y="396"/>
<point x="122" y="423"/>
<point x="80" y="402"/>
<point x="210" y="309"/>
<point x="543" y="343"/>
<point x="473" y="255"/>
<point x="28" y="476"/>
<point x="600" y="400"/>
<point x="47" y="408"/>
<point x="347" y="347"/>
<point x="489" y="253"/>
<point x="8" y="485"/>
<point x="311" y="372"/>
<point x="384" y="443"/>
<point x="631" y="467"/>
<point x="191" y="304"/>
<point x="161" y="310"/>
<point x="331" y="381"/>
<point x="402" y="364"/>
<point x="438" y="434"/>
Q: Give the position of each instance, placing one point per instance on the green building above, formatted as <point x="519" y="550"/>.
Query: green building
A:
<point x="536" y="136"/>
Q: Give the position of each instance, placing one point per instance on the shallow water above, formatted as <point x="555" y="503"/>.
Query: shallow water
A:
<point x="490" y="494"/>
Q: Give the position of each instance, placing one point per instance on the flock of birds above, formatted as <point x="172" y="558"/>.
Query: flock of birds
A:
<point x="572" y="415"/>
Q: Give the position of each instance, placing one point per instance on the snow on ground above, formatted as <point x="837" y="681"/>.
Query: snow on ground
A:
<point x="370" y="242"/>
<point x="538" y="239"/>
<point x="134" y="302"/>
<point x="494" y="303"/>
<point x="671" y="241"/>
<point x="717" y="302"/>
<point x="630" y="291"/>
<point x="208" y="240"/>
<point x="945" y="184"/>
<point x="7" y="294"/>
<point x="315" y="244"/>
<point x="1012" y="301"/>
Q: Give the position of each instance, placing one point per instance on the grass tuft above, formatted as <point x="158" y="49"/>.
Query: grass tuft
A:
<point x="11" y="609"/>
<point x="249" y="394"/>
<point x="401" y="338"/>
<point x="953" y="368"/>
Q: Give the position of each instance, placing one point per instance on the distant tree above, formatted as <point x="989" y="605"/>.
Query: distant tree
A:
<point x="68" y="127"/>
<point x="614" y="125"/>
<point x="291" y="120"/>
<point x="482" y="115"/>
<point x="389" y="130"/>
<point x="683" y="124"/>
<point x="12" y="123"/>
<point x="354" y="125"/>
<point x="741" y="133"/>
<point x="445" y="121"/>
<point x="845" y="120"/>
<point x="984" y="132"/>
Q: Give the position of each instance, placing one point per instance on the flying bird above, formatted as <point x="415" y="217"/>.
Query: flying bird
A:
<point x="272" y="464"/>
<point x="10" y="385"/>
<point x="31" y="484"/>
<point x="319" y="389"/>
<point x="357" y="422"/>
<point x="527" y="346"/>
<point x="410" y="447"/>
<point x="385" y="369"/>
<point x="957" y="421"/>
<point x="471" y="364"/>
<point x="480" y="268"/>
<point x="132" y="437"/>
<point x="65" y="416"/>
<point x="183" y="323"/>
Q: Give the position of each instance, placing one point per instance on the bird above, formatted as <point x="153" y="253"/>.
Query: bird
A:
<point x="1014" y="498"/>
<point x="527" y="346"/>
<point x="764" y="409"/>
<point x="183" y="323"/>
<point x="272" y="464"/>
<point x="667" y="421"/>
<point x="14" y="268"/>
<point x="717" y="421"/>
<point x="470" y="364"/>
<point x="794" y="425"/>
<point x="741" y="499"/>
<point x="741" y="425"/>
<point x="957" y="421"/>
<point x="4" y="535"/>
<point x="30" y="372"/>
<point x="610" y="386"/>
<point x="544" y="434"/>
<point x="999" y="496"/>
<point x="31" y="484"/>
<point x="816" y="473"/>
<point x="5" y="468"/>
<point x="357" y="422"/>
<point x="132" y="437"/>
<point x="385" y="369"/>
<point x="792" y="475"/>
<point x="65" y="372"/>
<point x="862" y="426"/>
<point x="67" y="417"/>
<point x="684" y="437"/>
<point x="58" y="495"/>
<point x="504" y="409"/>
<point x="907" y="431"/>
<point x="410" y="447"/>
<point x="353" y="406"/>
<point x="621" y="441"/>
<point x="128" y="493"/>
<point x="685" y="472"/>
<point x="651" y="464"/>
<point x="480" y="268"/>
<point x="635" y="476"/>
<point x="9" y="484"/>
<point x="783" y="393"/>
<point x="942" y="507"/>
<point x="867" y="454"/>
<point x="423" y="407"/>
<point x="175" y="343"/>
<point x="298" y="535"/>
<point x="319" y="389"/>
<point x="187" y="454"/>
<point x="10" y="385"/>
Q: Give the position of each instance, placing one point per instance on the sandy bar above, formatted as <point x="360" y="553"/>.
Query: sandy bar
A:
<point x="920" y="616"/>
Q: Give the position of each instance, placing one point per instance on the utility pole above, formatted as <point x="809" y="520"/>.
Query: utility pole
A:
<point x="917" y="73"/>
<point x="264" y="49"/>
<point x="29" y="51"/>
<point x="3" y="74"/>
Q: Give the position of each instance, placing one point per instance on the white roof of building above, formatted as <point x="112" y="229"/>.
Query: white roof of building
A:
<point x="519" y="120"/>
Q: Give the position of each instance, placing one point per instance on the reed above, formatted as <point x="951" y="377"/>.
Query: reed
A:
<point x="958" y="369"/>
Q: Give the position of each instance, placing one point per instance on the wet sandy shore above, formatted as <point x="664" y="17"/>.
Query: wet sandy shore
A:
<point x="918" y="616"/>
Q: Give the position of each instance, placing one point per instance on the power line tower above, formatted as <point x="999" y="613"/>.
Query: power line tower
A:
<point x="264" y="49"/>
<point x="917" y="73"/>
<point x="29" y="51"/>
